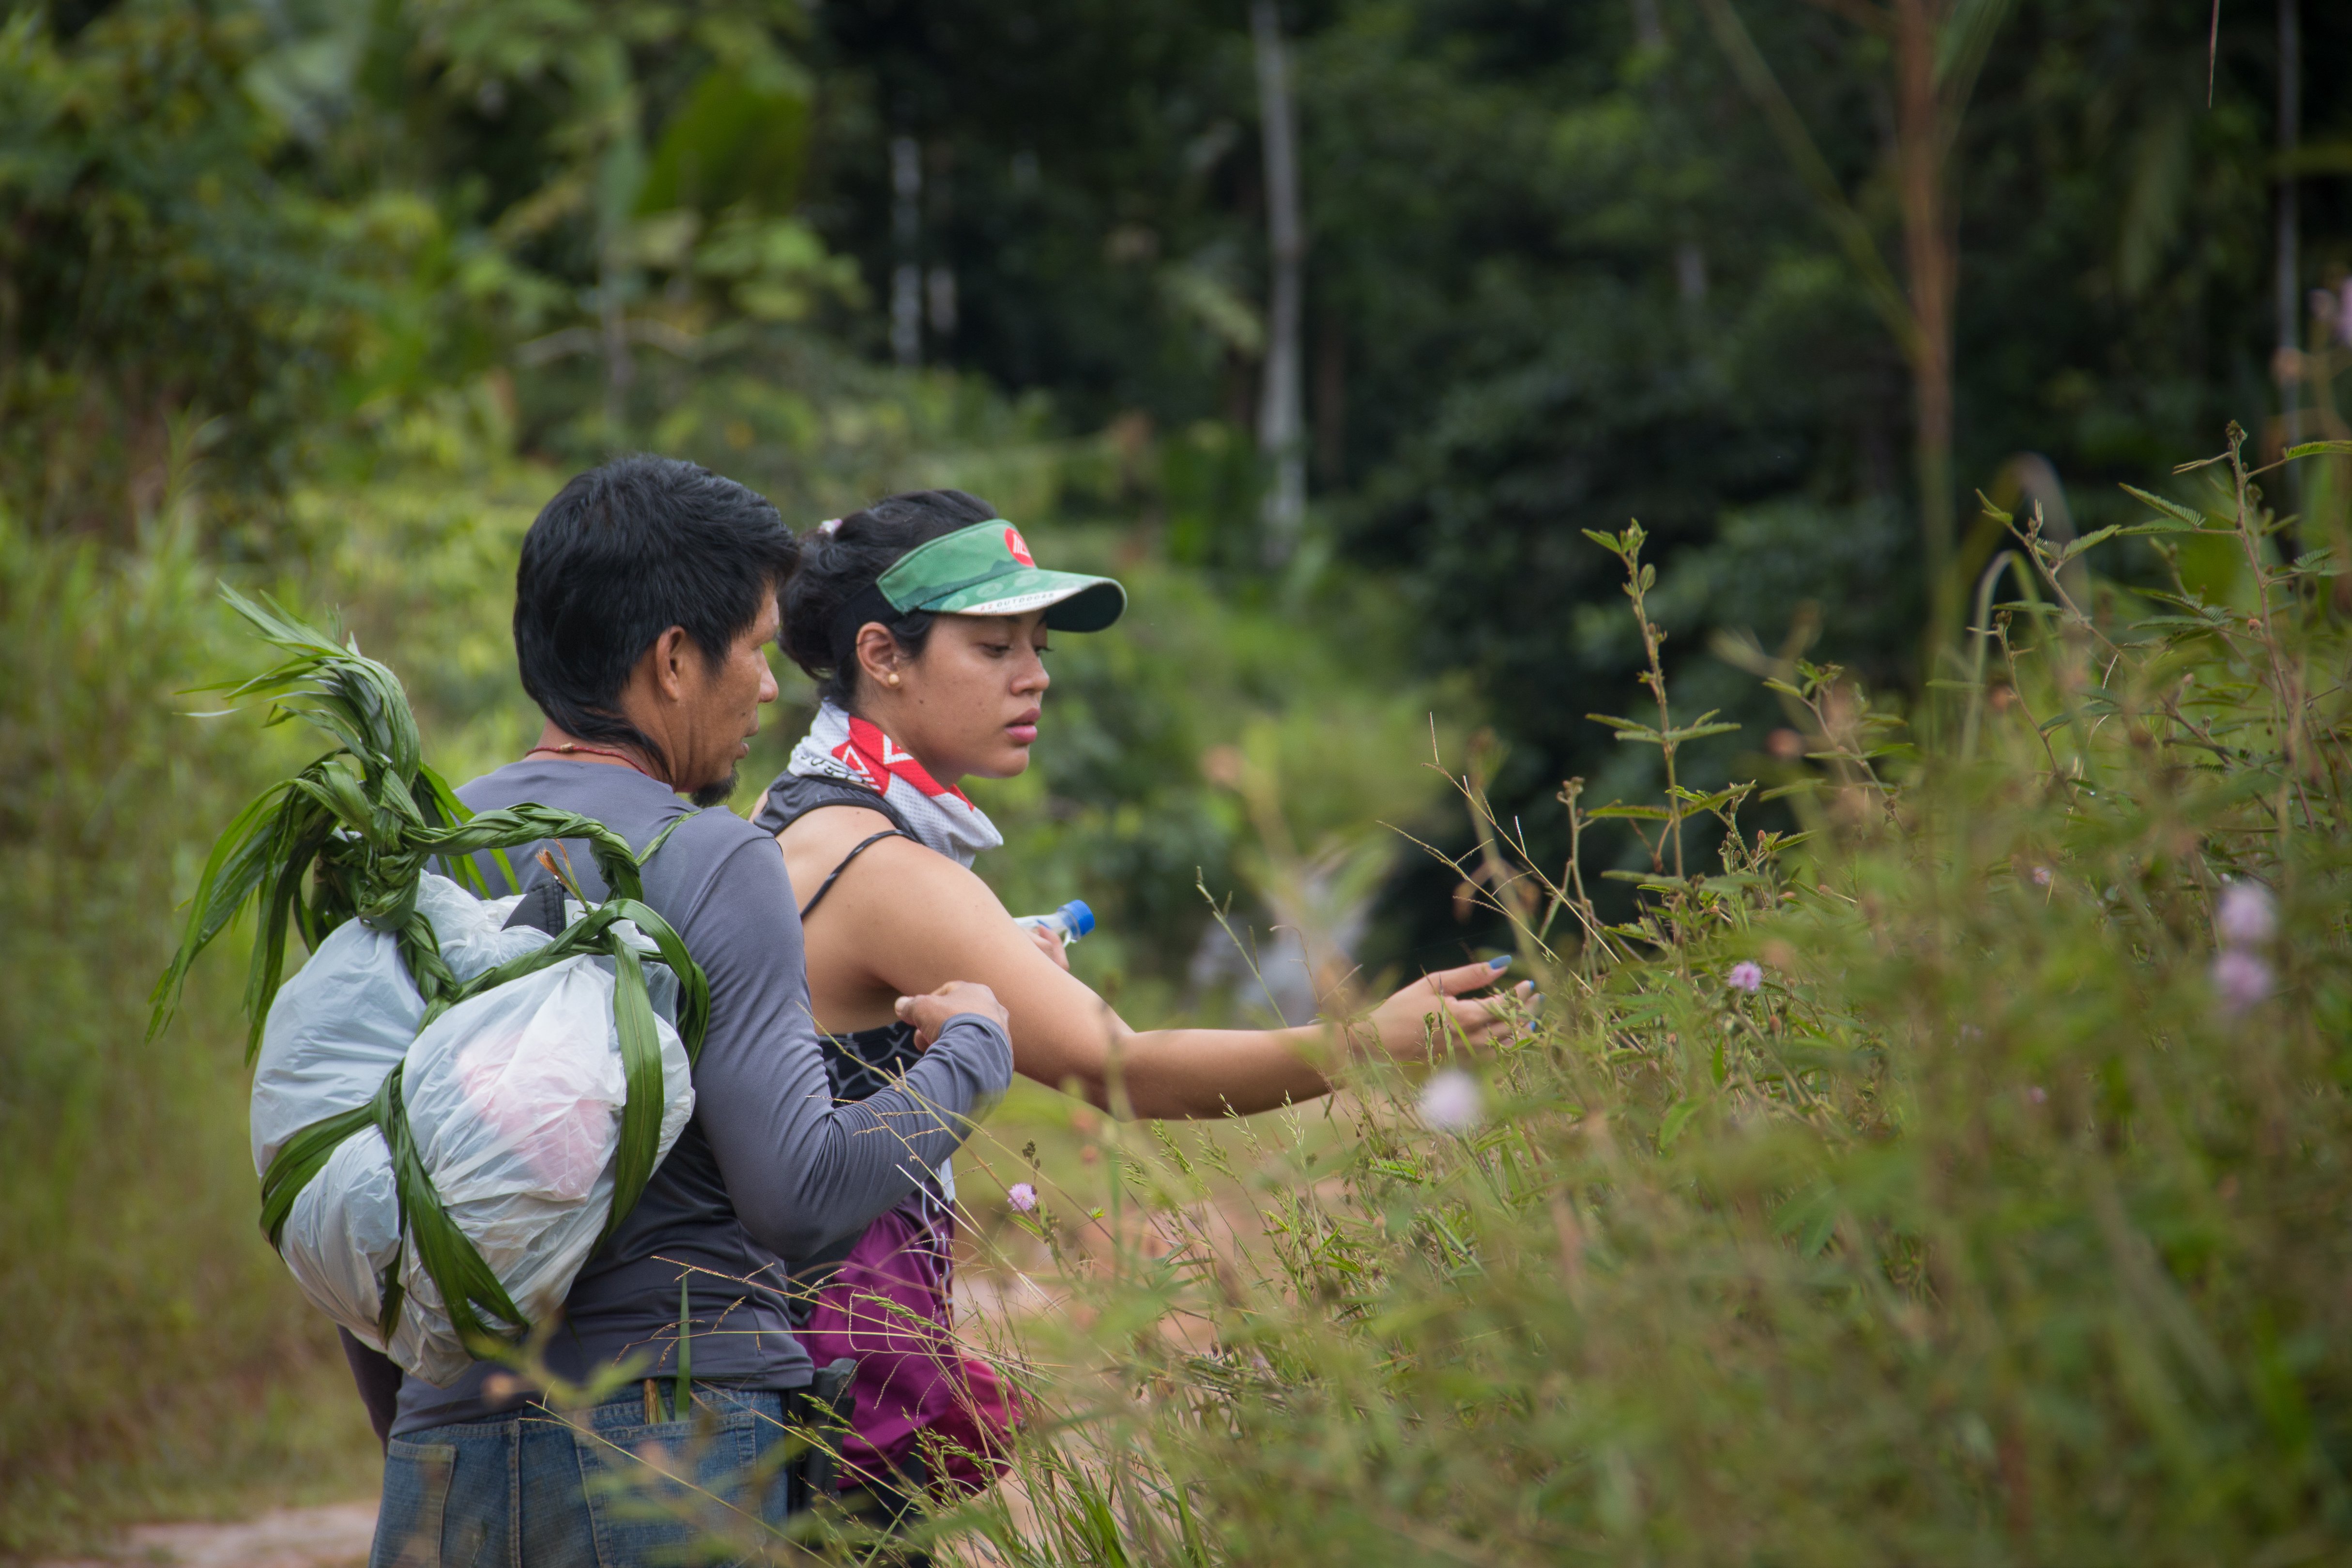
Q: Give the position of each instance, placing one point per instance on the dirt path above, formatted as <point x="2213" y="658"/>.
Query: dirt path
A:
<point x="334" y="1536"/>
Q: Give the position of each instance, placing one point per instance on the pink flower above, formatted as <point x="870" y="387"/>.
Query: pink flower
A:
<point x="1746" y="976"/>
<point x="2241" y="979"/>
<point x="1022" y="1195"/>
<point x="2042" y="876"/>
<point x="1450" y="1102"/>
<point x="2246" y="916"/>
<point x="543" y="1108"/>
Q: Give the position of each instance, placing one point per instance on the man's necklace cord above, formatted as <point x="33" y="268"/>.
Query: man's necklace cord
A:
<point x="570" y="747"/>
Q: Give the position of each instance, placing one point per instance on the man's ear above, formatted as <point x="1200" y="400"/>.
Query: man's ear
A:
<point x="666" y="659"/>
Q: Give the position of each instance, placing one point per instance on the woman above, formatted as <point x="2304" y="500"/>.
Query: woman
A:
<point x="926" y="619"/>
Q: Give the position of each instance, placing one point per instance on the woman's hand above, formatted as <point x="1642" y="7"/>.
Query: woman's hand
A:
<point x="1050" y="943"/>
<point x="1399" y="1027"/>
<point x="929" y="1012"/>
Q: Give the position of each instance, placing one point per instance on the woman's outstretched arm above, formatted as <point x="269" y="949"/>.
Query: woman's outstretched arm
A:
<point x="904" y="920"/>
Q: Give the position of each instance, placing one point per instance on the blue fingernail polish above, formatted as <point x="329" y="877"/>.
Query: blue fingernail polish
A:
<point x="1502" y="963"/>
<point x="1535" y="1001"/>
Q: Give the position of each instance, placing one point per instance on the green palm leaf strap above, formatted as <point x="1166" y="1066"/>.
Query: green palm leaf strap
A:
<point x="641" y="1069"/>
<point x="299" y="1158"/>
<point x="469" y="1287"/>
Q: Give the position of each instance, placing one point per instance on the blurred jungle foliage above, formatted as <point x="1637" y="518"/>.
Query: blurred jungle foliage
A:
<point x="327" y="297"/>
<point x="1561" y="272"/>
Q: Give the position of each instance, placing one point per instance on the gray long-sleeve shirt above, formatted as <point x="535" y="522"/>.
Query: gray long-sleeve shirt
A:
<point x="769" y="1169"/>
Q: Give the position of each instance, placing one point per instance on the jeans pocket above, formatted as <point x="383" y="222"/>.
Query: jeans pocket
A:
<point x="698" y="1490"/>
<point x="416" y="1497"/>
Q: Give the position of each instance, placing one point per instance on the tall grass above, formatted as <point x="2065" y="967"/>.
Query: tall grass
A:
<point x="2002" y="1220"/>
<point x="2007" y="1219"/>
<point x="159" y="1362"/>
<point x="1962" y="1179"/>
<point x="156" y="1359"/>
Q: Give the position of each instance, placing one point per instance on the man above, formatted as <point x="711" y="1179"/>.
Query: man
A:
<point x="644" y="603"/>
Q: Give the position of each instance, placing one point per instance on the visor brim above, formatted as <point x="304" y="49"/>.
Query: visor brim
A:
<point x="1071" y="602"/>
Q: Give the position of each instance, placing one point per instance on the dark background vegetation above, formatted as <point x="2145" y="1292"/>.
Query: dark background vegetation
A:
<point x="325" y="296"/>
<point x="1558" y="275"/>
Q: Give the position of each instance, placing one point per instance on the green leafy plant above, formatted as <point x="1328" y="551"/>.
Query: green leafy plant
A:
<point x="1942" y="1184"/>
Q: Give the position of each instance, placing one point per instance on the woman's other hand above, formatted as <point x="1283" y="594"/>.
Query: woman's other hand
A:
<point x="1399" y="1027"/>
<point x="929" y="1012"/>
<point x="1050" y="943"/>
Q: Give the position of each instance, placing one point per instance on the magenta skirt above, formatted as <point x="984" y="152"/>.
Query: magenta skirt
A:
<point x="916" y="1392"/>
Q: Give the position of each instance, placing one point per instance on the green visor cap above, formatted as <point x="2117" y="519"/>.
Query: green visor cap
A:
<point x="987" y="569"/>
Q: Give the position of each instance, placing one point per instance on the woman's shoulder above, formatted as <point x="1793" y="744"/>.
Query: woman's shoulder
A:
<point x="795" y="798"/>
<point x="845" y="823"/>
<point x="896" y="877"/>
<point x="895" y="882"/>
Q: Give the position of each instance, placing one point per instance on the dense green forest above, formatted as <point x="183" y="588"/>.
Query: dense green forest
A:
<point x="1332" y="327"/>
<point x="1562" y="264"/>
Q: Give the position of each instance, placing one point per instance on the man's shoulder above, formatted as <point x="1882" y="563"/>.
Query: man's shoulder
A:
<point x="526" y="782"/>
<point x="635" y="807"/>
<point x="714" y="832"/>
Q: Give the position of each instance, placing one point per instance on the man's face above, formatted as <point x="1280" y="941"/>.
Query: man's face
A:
<point x="721" y="709"/>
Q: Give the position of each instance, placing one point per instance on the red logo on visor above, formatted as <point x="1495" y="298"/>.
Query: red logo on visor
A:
<point x="1019" y="546"/>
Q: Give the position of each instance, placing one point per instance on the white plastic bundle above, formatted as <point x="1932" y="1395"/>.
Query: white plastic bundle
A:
<point x="513" y="1099"/>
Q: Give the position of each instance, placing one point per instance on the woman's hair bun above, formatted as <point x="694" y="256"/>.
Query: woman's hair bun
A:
<point x="842" y="557"/>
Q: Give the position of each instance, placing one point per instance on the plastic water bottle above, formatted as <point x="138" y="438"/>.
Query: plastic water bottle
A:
<point x="1072" y="921"/>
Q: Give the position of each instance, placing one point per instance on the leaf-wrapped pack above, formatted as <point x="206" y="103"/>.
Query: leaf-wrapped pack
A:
<point x="448" y="1115"/>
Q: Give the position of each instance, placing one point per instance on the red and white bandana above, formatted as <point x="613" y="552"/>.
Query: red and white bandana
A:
<point x="841" y="746"/>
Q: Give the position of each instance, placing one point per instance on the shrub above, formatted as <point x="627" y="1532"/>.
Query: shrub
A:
<point x="1962" y="1179"/>
<point x="157" y="1359"/>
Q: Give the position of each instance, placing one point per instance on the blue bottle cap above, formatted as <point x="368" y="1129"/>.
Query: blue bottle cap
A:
<point x="1081" y="918"/>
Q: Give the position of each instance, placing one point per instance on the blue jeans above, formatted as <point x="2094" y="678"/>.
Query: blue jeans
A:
<point x="606" y="1489"/>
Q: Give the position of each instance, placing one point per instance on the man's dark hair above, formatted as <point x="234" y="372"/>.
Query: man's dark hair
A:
<point x="841" y="561"/>
<point x="621" y="555"/>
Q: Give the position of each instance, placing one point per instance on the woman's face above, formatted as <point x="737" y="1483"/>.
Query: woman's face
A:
<point x="968" y="706"/>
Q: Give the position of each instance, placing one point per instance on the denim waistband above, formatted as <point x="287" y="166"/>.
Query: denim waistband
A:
<point x="631" y="1406"/>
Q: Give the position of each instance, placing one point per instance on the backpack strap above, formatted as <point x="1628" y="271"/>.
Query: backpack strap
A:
<point x="540" y="908"/>
<point x="793" y="795"/>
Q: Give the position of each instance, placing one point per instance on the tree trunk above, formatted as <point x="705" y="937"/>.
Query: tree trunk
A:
<point x="619" y="181"/>
<point x="1930" y="262"/>
<point x="907" y="240"/>
<point x="1280" y="435"/>
<point x="2286" y="274"/>
<point x="1936" y="50"/>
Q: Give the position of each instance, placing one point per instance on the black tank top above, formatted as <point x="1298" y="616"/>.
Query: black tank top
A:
<point x="864" y="1061"/>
